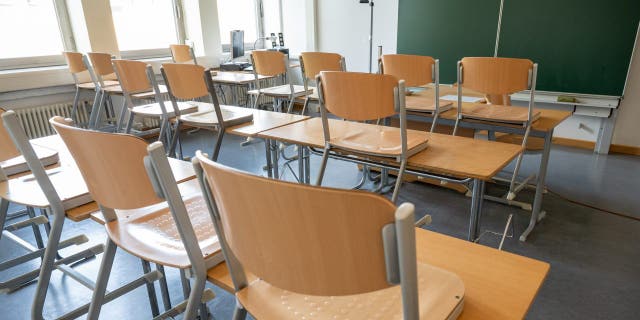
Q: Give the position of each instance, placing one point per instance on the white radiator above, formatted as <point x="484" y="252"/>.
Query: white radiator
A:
<point x="35" y="120"/>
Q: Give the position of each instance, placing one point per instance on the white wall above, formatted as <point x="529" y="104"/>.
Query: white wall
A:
<point x="343" y="27"/>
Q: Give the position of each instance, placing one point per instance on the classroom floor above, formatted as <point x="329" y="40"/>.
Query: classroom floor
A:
<point x="593" y="254"/>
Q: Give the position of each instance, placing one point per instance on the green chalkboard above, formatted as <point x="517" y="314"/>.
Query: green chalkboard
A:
<point x="448" y="30"/>
<point x="581" y="46"/>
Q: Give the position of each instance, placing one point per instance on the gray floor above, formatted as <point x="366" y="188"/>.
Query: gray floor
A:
<point x="593" y="254"/>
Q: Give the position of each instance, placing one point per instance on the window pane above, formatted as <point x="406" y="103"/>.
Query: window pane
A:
<point x="237" y="15"/>
<point x="271" y="10"/>
<point x="29" y="29"/>
<point x="144" y="24"/>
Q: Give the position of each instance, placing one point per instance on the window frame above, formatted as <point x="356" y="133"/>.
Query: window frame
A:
<point x="68" y="44"/>
<point x="248" y="46"/>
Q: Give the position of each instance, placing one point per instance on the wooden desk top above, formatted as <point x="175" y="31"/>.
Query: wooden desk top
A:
<point x="68" y="181"/>
<point x="548" y="120"/>
<point x="452" y="155"/>
<point x="498" y="284"/>
<point x="237" y="78"/>
<point x="265" y="120"/>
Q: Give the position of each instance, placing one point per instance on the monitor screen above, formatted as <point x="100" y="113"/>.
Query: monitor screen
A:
<point x="237" y="43"/>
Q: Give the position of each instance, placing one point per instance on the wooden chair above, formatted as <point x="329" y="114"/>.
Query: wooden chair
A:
<point x="190" y="82"/>
<point x="80" y="69"/>
<point x="138" y="80"/>
<point x="182" y="53"/>
<point x="416" y="71"/>
<point x="137" y="219"/>
<point x="326" y="253"/>
<point x="498" y="78"/>
<point x="367" y="97"/>
<point x="311" y="63"/>
<point x="274" y="64"/>
<point x="103" y="71"/>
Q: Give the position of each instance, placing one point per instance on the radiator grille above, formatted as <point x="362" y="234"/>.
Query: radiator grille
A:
<point x="35" y="120"/>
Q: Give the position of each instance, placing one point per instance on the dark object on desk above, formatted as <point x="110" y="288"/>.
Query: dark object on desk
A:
<point x="237" y="43"/>
<point x="234" y="66"/>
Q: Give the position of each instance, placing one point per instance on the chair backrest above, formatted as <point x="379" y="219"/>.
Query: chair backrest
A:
<point x="358" y="96"/>
<point x="102" y="65"/>
<point x="414" y="70"/>
<point x="319" y="241"/>
<point x="268" y="63"/>
<point x="8" y="149"/>
<point x="105" y="161"/>
<point x="132" y="75"/>
<point x="312" y="63"/>
<point x="185" y="81"/>
<point x="496" y="76"/>
<point x="182" y="53"/>
<point x="74" y="62"/>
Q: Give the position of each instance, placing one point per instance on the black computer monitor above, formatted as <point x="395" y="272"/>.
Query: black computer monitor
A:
<point x="237" y="43"/>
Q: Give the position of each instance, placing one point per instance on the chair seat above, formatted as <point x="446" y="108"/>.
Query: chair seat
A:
<point x="153" y="109"/>
<point x="533" y="143"/>
<point x="441" y="296"/>
<point x="498" y="113"/>
<point x="207" y="117"/>
<point x="150" y="233"/>
<point x="91" y="85"/>
<point x="150" y="94"/>
<point x="378" y="140"/>
<point x="282" y="91"/>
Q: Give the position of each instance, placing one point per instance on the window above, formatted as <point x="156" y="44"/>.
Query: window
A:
<point x="31" y="34"/>
<point x="144" y="28"/>
<point x="257" y="18"/>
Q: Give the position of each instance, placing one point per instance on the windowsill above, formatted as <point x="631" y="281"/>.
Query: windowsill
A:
<point x="42" y="77"/>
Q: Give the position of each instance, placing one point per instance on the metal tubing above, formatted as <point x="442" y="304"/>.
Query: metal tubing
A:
<point x="164" y="289"/>
<point x="151" y="289"/>
<point x="542" y="174"/>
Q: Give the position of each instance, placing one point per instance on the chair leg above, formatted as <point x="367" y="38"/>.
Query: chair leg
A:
<point x="305" y="105"/>
<point x="455" y="127"/>
<point x="129" y="123"/>
<point x="95" y="109"/>
<point x="195" y="299"/>
<point x="74" y="107"/>
<point x="512" y="195"/>
<point x="121" y="117"/>
<point x="36" y="229"/>
<point x="103" y="279"/>
<point x="164" y="288"/>
<point x="239" y="312"/>
<point x="151" y="289"/>
<point x="396" y="189"/>
<point x="290" y="107"/>
<point x="323" y="165"/>
<point x="4" y="208"/>
<point x="216" y="147"/>
<point x="255" y="102"/>
<point x="174" y="140"/>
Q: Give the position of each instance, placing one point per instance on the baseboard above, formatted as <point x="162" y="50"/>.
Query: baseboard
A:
<point x="590" y="145"/>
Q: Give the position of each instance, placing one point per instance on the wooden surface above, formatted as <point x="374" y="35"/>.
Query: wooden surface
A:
<point x="498" y="284"/>
<point x="496" y="76"/>
<point x="101" y="63"/>
<point x="132" y="75"/>
<point x="315" y="62"/>
<point x="282" y="91"/>
<point x="445" y="154"/>
<point x="181" y="53"/>
<point x="504" y="114"/>
<point x="337" y="225"/>
<point x="237" y="78"/>
<point x="358" y="96"/>
<point x="265" y="120"/>
<point x="206" y="116"/>
<point x="153" y="109"/>
<point x="186" y="81"/>
<point x="68" y="181"/>
<point x="439" y="294"/>
<point x="413" y="69"/>
<point x="74" y="62"/>
<point x="548" y="119"/>
<point x="268" y="63"/>
<point x="374" y="139"/>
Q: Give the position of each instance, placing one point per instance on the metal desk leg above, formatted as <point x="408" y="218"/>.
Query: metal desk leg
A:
<point x="537" y="214"/>
<point x="4" y="208"/>
<point x="307" y="165"/>
<point x="267" y="148"/>
<point x="476" y="207"/>
<point x="273" y="148"/>
<point x="301" y="164"/>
